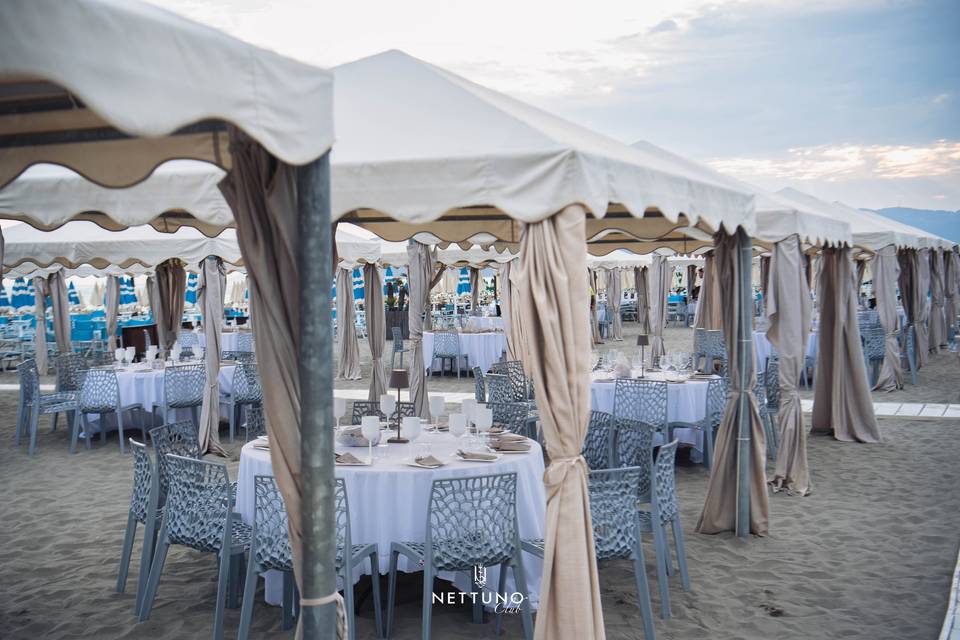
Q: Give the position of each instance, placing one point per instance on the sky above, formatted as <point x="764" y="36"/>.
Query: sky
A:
<point x="852" y="100"/>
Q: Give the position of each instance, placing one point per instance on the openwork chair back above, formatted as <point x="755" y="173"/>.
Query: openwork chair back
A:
<point x="772" y="383"/>
<point x="246" y="384"/>
<point x="397" y="338"/>
<point x="643" y="400"/>
<point x="716" y="402"/>
<point x="245" y="341"/>
<point x="183" y="385"/>
<point x="598" y="443"/>
<point x="177" y="438"/>
<point x="513" y="369"/>
<point x="146" y="484"/>
<point x="198" y="503"/>
<point x="613" y="511"/>
<point x="472" y="521"/>
<point x="714" y="346"/>
<point x="633" y="447"/>
<point x="70" y="368"/>
<point x="271" y="541"/>
<point x="873" y="342"/>
<point x="99" y="391"/>
<point x="404" y="409"/>
<point x="29" y="381"/>
<point x="446" y="344"/>
<point x="363" y="408"/>
<point x="699" y="343"/>
<point x="511" y="415"/>
<point x="342" y="515"/>
<point x="498" y="388"/>
<point x="188" y="339"/>
<point x="256" y="424"/>
<point x="480" y="389"/>
<point x="239" y="356"/>
<point x="665" y="482"/>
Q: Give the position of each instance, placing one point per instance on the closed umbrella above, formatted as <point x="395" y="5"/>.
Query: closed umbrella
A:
<point x="193" y="283"/>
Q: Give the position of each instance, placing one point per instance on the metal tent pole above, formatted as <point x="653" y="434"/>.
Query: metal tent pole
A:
<point x="316" y="397"/>
<point x="745" y="350"/>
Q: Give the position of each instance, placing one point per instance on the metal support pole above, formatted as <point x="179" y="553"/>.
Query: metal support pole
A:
<point x="744" y="351"/>
<point x="316" y="397"/>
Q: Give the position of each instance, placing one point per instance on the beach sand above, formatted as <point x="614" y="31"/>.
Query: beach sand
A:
<point x="868" y="555"/>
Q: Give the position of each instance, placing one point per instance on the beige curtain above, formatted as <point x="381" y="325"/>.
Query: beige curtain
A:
<point x="516" y="351"/>
<point x="40" y="341"/>
<point x="938" y="327"/>
<point x="950" y="279"/>
<point x="886" y="272"/>
<point x="421" y="276"/>
<point x="510" y="328"/>
<point x="923" y="309"/>
<point x="764" y="278"/>
<point x="720" y="507"/>
<point x="641" y="278"/>
<point x="210" y="289"/>
<point x="376" y="328"/>
<point x="861" y="272"/>
<point x="348" y="360"/>
<point x="661" y="273"/>
<point x="553" y="296"/>
<point x="614" y="294"/>
<point x="841" y="397"/>
<point x="910" y="297"/>
<point x="788" y="308"/>
<point x="60" y="301"/>
<point x="171" y="283"/>
<point x="595" y="336"/>
<point x="113" y="310"/>
<point x="691" y="281"/>
<point x="709" y="312"/>
<point x="474" y="290"/>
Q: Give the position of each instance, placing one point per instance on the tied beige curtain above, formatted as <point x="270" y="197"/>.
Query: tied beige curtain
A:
<point x="421" y="278"/>
<point x="938" y="327"/>
<point x="40" y="341"/>
<point x="709" y="311"/>
<point x="113" y="310"/>
<point x="841" y="395"/>
<point x="886" y="272"/>
<point x="516" y="328"/>
<point x="474" y="274"/>
<point x="510" y="326"/>
<point x="641" y="277"/>
<point x="691" y="281"/>
<point x="720" y="507"/>
<point x="765" y="278"/>
<point x="861" y="272"/>
<point x="210" y="290"/>
<point x="923" y="307"/>
<point x="909" y="289"/>
<point x="376" y="328"/>
<point x="262" y="193"/>
<point x="950" y="279"/>
<point x="553" y="296"/>
<point x="614" y="294"/>
<point x="348" y="361"/>
<point x="171" y="283"/>
<point x="788" y="309"/>
<point x="594" y="307"/>
<point x="661" y="273"/>
<point x="60" y="301"/>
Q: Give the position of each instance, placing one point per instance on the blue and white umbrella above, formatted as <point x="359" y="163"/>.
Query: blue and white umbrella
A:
<point x="128" y="294"/>
<point x="5" y="302"/>
<point x="23" y="294"/>
<point x="357" y="284"/>
<point x="463" y="283"/>
<point x="72" y="294"/>
<point x="193" y="283"/>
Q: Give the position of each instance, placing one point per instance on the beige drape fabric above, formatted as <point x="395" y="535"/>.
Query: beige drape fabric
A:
<point x="841" y="397"/>
<point x="691" y="281"/>
<point x="886" y="272"/>
<point x="594" y="307"/>
<point x="553" y="295"/>
<point x="923" y="308"/>
<point x="614" y="294"/>
<point x="506" y="310"/>
<point x="420" y="274"/>
<point x="60" y="301"/>
<point x="641" y="283"/>
<point x="661" y="273"/>
<point x="348" y="358"/>
<point x="788" y="309"/>
<point x="474" y="290"/>
<point x="515" y="346"/>
<point x="40" y="340"/>
<point x="720" y="507"/>
<point x="171" y="282"/>
<point x="938" y="327"/>
<point x="950" y="278"/>
<point x="765" y="278"/>
<point x="376" y="328"/>
<point x="112" y="304"/>
<point x="213" y="282"/>
<point x="861" y="266"/>
<point x="709" y="312"/>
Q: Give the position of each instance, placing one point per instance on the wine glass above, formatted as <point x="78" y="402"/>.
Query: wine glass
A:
<point x="387" y="405"/>
<point x="458" y="424"/>
<point x="484" y="419"/>
<point x="370" y="428"/>
<point x="411" y="428"/>
<point x="436" y="408"/>
<point x="119" y="355"/>
<point x="339" y="409"/>
<point x="129" y="354"/>
<point x="467" y="407"/>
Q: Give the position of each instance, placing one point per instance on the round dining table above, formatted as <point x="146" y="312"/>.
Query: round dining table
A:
<point x="480" y="349"/>
<point x="686" y="402"/>
<point x="229" y="340"/>
<point x="388" y="500"/>
<point x="763" y="349"/>
<point x="489" y="323"/>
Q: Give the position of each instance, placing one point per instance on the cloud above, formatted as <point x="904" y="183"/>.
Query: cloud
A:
<point x="664" y="26"/>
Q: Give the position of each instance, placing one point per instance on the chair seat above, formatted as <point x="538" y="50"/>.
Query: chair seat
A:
<point x="56" y="402"/>
<point x="358" y="551"/>
<point x="240" y="536"/>
<point x="536" y="546"/>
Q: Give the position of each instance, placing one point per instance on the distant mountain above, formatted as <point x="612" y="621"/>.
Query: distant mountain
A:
<point x="945" y="224"/>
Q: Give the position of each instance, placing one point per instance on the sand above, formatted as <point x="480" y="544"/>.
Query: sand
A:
<point x="868" y="555"/>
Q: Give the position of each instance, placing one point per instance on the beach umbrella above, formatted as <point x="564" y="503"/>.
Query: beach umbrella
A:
<point x="5" y="302"/>
<point x="128" y="294"/>
<point x="193" y="282"/>
<point x="463" y="282"/>
<point x="72" y="295"/>
<point x="357" y="284"/>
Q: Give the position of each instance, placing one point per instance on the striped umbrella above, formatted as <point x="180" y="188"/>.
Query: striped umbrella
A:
<point x="72" y="296"/>
<point x="128" y="293"/>
<point x="357" y="284"/>
<point x="23" y="294"/>
<point x="5" y="302"/>
<point x="463" y="283"/>
<point x="193" y="282"/>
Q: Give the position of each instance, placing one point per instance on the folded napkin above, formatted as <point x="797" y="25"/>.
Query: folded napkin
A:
<point x="352" y="431"/>
<point x="427" y="461"/>
<point x="475" y="455"/>
<point x="509" y="445"/>
<point x="346" y="458"/>
<point x="509" y="437"/>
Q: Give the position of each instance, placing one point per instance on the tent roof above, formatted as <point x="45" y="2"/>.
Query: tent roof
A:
<point x="114" y="88"/>
<point x="624" y="259"/>
<point x="395" y="255"/>
<point x="777" y="217"/>
<point x="422" y="149"/>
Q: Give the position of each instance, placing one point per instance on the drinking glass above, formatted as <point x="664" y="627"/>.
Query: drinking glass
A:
<point x="484" y="419"/>
<point x="458" y="424"/>
<point x="387" y="405"/>
<point x="339" y="409"/>
<point x="370" y="428"/>
<point x="411" y="428"/>
<point x="467" y="407"/>
<point x="436" y="408"/>
<point x="119" y="355"/>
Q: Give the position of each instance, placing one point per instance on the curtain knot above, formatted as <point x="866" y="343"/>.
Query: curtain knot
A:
<point x="557" y="472"/>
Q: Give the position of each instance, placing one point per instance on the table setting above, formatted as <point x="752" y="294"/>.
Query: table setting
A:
<point x="482" y="348"/>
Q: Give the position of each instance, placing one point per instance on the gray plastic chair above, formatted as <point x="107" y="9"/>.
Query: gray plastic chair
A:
<point x="144" y="509"/>
<point x="245" y="342"/>
<point x="519" y="383"/>
<point x="100" y="394"/>
<point x="34" y="404"/>
<point x="198" y="514"/>
<point x="363" y="408"/>
<point x="69" y="367"/>
<point x="515" y="417"/>
<point x="665" y="510"/>
<point x="349" y="556"/>
<point x="189" y="344"/>
<point x="256" y="424"/>
<point x="616" y="534"/>
<point x="479" y="387"/>
<point x="183" y="387"/>
<point x="874" y="349"/>
<point x="713" y="413"/>
<point x="179" y="439"/>
<point x="239" y="356"/>
<point x="643" y="400"/>
<point x="246" y="392"/>
<point x="269" y="550"/>
<point x="499" y="388"/>
<point x="397" y="347"/>
<point x="598" y="443"/>
<point x="446" y="346"/>
<point x="714" y="349"/>
<point x="768" y="417"/>
<point x="699" y="347"/>
<point x="471" y="522"/>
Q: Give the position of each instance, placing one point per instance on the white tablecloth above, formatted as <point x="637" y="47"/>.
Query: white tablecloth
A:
<point x="482" y="349"/>
<point x="686" y="402"/>
<point x="388" y="501"/>
<point x="229" y="341"/>
<point x="485" y="322"/>
<point x="762" y="348"/>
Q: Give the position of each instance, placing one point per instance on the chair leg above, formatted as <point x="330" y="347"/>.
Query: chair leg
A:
<point x="643" y="591"/>
<point x="347" y="576"/>
<point x="233" y="420"/>
<point x="660" y="552"/>
<point x="391" y="591"/>
<point x="34" y="425"/>
<point x="86" y="431"/>
<point x="521" y="579"/>
<point x="74" y="431"/>
<point x="222" y="584"/>
<point x="681" y="553"/>
<point x="287" y="614"/>
<point x="125" y="552"/>
<point x="427" y="597"/>
<point x="54" y="426"/>
<point x="375" y="586"/>
<point x="21" y="411"/>
<point x="120" y="427"/>
<point x="146" y="558"/>
<point x="501" y="590"/>
<point x="156" y="567"/>
<point x="249" y="587"/>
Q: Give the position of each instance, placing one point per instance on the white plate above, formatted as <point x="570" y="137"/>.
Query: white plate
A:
<point x="410" y="462"/>
<point x="510" y="452"/>
<point x="459" y="457"/>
